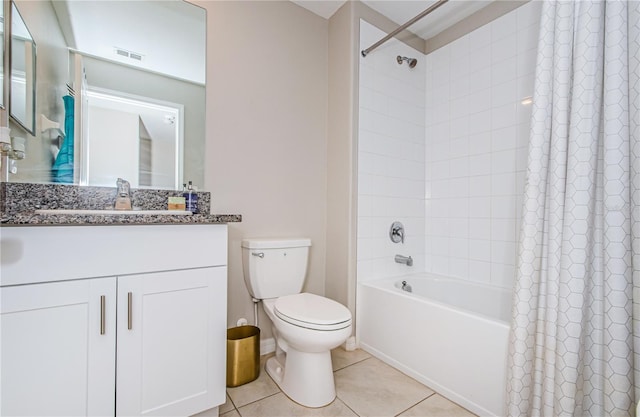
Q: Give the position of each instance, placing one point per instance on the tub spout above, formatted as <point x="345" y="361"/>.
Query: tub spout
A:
<point x="407" y="260"/>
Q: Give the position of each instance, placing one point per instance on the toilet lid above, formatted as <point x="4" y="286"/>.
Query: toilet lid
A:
<point x="312" y="311"/>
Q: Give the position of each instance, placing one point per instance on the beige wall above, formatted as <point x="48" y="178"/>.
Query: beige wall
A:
<point x="266" y="154"/>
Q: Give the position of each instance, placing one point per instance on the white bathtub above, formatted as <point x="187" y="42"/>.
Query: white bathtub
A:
<point x="451" y="335"/>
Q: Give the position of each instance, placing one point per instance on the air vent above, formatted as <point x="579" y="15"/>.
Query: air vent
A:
<point x="128" y="54"/>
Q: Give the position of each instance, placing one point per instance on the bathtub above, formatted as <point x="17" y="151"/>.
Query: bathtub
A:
<point x="451" y="335"/>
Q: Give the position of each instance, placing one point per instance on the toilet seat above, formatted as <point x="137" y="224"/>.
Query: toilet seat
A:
<point x="312" y="312"/>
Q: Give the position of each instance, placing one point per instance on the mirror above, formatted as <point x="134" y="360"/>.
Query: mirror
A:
<point x="2" y="56"/>
<point x="106" y="55"/>
<point x="23" y="73"/>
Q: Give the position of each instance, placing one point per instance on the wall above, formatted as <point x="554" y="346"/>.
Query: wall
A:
<point x="266" y="155"/>
<point x="391" y="156"/>
<point x="341" y="154"/>
<point x="477" y="136"/>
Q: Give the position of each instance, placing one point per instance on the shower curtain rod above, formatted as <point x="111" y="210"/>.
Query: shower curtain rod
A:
<point x="366" y="52"/>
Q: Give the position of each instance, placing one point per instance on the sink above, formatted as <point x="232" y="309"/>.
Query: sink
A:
<point x="75" y="212"/>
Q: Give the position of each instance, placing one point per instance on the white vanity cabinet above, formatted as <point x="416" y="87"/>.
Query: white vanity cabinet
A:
<point x="54" y="358"/>
<point x="112" y="320"/>
<point x="171" y="334"/>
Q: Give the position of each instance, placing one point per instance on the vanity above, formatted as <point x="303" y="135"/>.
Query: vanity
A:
<point x="103" y="312"/>
<point x="114" y="315"/>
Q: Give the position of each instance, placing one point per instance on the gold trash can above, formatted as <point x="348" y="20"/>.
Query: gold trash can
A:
<point x="243" y="355"/>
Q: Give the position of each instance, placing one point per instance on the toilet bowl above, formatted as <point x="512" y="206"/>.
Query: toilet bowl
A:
<point x="302" y="365"/>
<point x="305" y="326"/>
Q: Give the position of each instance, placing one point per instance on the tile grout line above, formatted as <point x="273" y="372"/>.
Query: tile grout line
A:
<point x="421" y="401"/>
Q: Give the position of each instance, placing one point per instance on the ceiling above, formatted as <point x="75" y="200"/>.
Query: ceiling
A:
<point x="401" y="11"/>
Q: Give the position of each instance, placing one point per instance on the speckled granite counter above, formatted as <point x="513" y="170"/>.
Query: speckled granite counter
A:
<point x="18" y="202"/>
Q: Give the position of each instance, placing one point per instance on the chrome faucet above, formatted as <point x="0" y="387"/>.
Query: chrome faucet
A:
<point x="123" y="195"/>
<point x="407" y="260"/>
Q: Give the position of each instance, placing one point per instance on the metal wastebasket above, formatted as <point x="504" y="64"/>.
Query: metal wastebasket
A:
<point x="243" y="355"/>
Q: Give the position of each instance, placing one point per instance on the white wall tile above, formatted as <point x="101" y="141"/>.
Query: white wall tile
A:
<point x="443" y="148"/>
<point x="479" y="37"/>
<point x="504" y="48"/>
<point x="480" y="271"/>
<point x="479" y="58"/>
<point x="481" y="122"/>
<point x="503" y="27"/>
<point x="480" y="142"/>
<point x="479" y="207"/>
<point x="459" y="167"/>
<point x="480" y="80"/>
<point x="480" y="250"/>
<point x="480" y="164"/>
<point x="505" y="93"/>
<point x="504" y="139"/>
<point x="505" y="70"/>
<point x="480" y="229"/>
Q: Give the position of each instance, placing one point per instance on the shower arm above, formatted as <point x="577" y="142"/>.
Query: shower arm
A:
<point x="366" y="52"/>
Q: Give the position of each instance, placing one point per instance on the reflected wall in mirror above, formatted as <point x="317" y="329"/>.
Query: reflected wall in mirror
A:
<point x="23" y="73"/>
<point x="151" y="51"/>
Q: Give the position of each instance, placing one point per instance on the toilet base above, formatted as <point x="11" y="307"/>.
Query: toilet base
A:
<point x="306" y="378"/>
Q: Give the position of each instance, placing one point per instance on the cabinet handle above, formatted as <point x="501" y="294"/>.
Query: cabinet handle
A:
<point x="102" y="315"/>
<point x="129" y="315"/>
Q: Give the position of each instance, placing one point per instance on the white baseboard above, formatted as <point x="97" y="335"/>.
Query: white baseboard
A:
<point x="267" y="346"/>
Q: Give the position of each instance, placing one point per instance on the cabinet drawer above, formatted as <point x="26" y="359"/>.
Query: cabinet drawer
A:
<point x="42" y="254"/>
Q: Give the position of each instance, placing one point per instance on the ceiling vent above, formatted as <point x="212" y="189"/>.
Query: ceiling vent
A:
<point x="128" y="54"/>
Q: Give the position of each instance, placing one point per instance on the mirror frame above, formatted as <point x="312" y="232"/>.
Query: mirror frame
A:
<point x="31" y="128"/>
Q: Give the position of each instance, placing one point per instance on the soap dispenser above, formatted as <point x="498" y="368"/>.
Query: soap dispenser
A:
<point x="191" y="199"/>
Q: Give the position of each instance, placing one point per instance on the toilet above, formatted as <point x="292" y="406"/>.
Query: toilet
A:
<point x="305" y="326"/>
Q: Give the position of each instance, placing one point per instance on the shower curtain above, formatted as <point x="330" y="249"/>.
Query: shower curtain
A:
<point x="575" y="338"/>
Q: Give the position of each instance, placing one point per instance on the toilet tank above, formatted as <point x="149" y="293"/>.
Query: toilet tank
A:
<point x="274" y="267"/>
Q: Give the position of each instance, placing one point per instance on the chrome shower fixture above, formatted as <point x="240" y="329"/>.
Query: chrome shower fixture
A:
<point x="411" y="61"/>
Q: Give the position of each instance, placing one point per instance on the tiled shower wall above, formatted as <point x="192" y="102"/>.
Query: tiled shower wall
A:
<point x="442" y="148"/>
<point x="391" y="156"/>
<point x="477" y="128"/>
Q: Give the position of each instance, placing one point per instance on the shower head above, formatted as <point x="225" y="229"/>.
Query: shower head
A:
<point x="411" y="61"/>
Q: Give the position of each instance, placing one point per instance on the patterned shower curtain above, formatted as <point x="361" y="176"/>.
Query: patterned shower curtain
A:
<point x="575" y="338"/>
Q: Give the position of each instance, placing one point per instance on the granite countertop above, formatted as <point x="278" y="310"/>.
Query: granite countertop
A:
<point x="33" y="219"/>
<point x="18" y="202"/>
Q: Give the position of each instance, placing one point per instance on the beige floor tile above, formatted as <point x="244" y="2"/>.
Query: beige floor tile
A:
<point x="437" y="406"/>
<point x="232" y="413"/>
<point x="373" y="388"/>
<point x="255" y="390"/>
<point x="227" y="406"/>
<point x="342" y="358"/>
<point x="280" y="405"/>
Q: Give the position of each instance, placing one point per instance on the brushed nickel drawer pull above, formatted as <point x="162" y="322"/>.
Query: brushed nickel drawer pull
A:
<point x="129" y="313"/>
<point x="102" y="315"/>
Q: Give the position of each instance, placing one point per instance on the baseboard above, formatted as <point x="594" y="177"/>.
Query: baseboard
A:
<point x="267" y="346"/>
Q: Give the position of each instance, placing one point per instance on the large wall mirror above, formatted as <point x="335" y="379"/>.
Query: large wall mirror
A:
<point x="120" y="92"/>
<point x="2" y="56"/>
<point x="23" y="73"/>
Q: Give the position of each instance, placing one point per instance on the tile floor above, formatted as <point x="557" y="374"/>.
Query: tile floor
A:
<point x="365" y="386"/>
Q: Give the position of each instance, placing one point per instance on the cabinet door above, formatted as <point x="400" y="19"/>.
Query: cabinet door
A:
<point x="58" y="344"/>
<point x="171" y="342"/>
